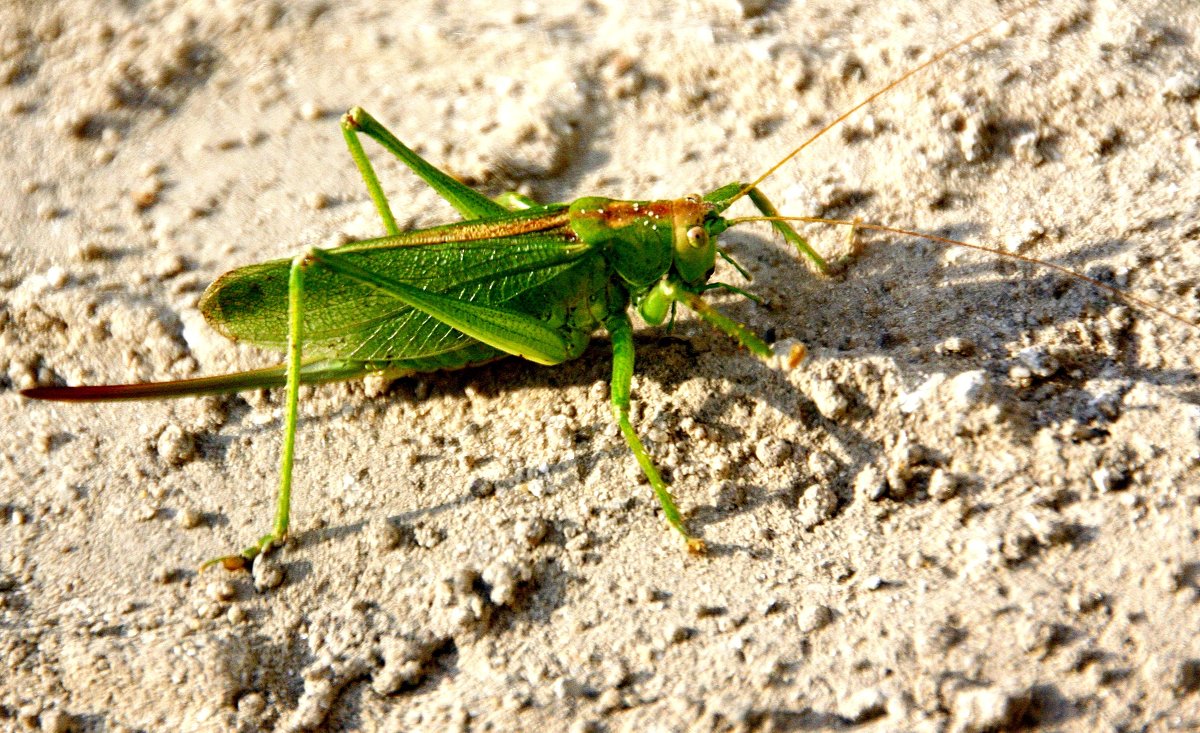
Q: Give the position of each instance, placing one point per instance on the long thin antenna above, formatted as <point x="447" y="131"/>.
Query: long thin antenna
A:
<point x="872" y="97"/>
<point x="1114" y="291"/>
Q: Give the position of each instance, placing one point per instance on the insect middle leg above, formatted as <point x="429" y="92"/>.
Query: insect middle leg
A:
<point x="621" y="330"/>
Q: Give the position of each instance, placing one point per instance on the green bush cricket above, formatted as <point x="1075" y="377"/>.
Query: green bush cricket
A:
<point x="516" y="278"/>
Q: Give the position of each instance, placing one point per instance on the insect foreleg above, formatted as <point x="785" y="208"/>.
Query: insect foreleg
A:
<point x="621" y="331"/>
<point x="763" y="204"/>
<point x="734" y="263"/>
<point x="732" y="289"/>
<point x="466" y="200"/>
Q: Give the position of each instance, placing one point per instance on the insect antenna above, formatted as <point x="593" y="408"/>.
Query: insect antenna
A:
<point x="1115" y="292"/>
<point x="936" y="58"/>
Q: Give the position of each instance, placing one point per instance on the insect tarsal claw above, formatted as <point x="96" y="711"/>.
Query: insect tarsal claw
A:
<point x="232" y="563"/>
<point x="787" y="354"/>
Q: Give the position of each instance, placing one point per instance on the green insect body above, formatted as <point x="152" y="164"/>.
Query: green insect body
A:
<point x="522" y="279"/>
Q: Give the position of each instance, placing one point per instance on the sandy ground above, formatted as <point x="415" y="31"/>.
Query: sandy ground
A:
<point x="974" y="506"/>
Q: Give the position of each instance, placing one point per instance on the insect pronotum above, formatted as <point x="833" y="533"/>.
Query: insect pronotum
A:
<point x="514" y="277"/>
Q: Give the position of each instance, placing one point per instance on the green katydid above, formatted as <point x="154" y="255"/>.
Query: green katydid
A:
<point x="517" y="278"/>
<point x="533" y="281"/>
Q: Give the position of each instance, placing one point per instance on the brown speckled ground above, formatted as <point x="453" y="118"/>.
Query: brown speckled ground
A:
<point x="974" y="505"/>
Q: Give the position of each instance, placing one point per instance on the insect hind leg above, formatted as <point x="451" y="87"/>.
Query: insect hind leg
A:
<point x="295" y="362"/>
<point x="515" y="201"/>
<point x="466" y="200"/>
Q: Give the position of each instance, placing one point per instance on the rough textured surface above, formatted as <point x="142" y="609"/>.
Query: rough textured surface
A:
<point x="973" y="507"/>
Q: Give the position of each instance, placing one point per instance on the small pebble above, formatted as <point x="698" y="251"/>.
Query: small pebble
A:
<point x="956" y="345"/>
<point x="989" y="709"/>
<point x="56" y="277"/>
<point x="1027" y="148"/>
<point x="74" y="123"/>
<point x="902" y="458"/>
<point x="27" y="716"/>
<point x="209" y="610"/>
<point x="817" y="504"/>
<point x="814" y="618"/>
<point x="54" y="721"/>
<point x="427" y="537"/>
<point x="610" y="700"/>
<point x="1107" y="479"/>
<point x="538" y="488"/>
<point x="870" y="484"/>
<point x="754" y="8"/>
<point x="942" y="485"/>
<point x="864" y="705"/>
<point x="973" y="140"/>
<point x="505" y="575"/>
<point x="175" y="445"/>
<point x="1028" y="232"/>
<point x="145" y="513"/>
<point x="828" y="398"/>
<point x="937" y="639"/>
<point x="726" y="494"/>
<point x="1181" y="85"/>
<point x="481" y="487"/>
<point x="1047" y="527"/>
<point x="721" y="466"/>
<point x="146" y="194"/>
<point x="168" y="266"/>
<point x="772" y="452"/>
<point x="189" y="518"/>
<point x="1178" y="675"/>
<point x="382" y="534"/>
<point x="822" y="466"/>
<point x="251" y="705"/>
<point x="531" y="531"/>
<point x="566" y="688"/>
<point x="89" y="250"/>
<point x="678" y="634"/>
<point x="968" y="388"/>
<point x="267" y="574"/>
<point x="585" y="726"/>
<point x="310" y="110"/>
<point x="1038" y="361"/>
<point x="1039" y="637"/>
<point x="221" y="590"/>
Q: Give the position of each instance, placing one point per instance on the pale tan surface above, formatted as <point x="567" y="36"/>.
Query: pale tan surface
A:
<point x="1005" y="576"/>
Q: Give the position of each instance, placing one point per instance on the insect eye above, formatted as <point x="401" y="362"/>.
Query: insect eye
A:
<point x="693" y="198"/>
<point x="697" y="237"/>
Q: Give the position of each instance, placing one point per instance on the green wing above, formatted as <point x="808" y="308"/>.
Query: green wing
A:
<point x="532" y="273"/>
